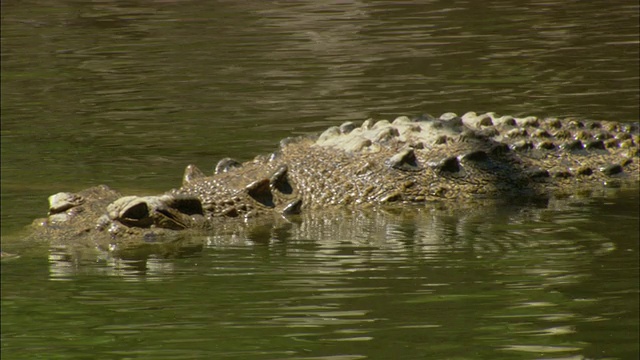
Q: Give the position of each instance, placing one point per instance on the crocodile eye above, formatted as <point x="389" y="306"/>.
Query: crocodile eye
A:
<point x="136" y="212"/>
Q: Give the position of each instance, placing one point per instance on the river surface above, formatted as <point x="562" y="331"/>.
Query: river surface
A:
<point x="127" y="93"/>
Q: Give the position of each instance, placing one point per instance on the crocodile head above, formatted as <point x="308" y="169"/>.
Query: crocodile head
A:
<point x="100" y="212"/>
<point x="102" y="215"/>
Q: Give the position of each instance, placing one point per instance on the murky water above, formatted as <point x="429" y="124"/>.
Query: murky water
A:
<point x="128" y="93"/>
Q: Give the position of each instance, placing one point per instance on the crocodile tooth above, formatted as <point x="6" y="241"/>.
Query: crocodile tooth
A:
<point x="225" y="165"/>
<point x="404" y="160"/>
<point x="191" y="172"/>
<point x="279" y="180"/>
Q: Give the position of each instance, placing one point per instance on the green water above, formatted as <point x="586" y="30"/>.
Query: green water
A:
<point x="128" y="93"/>
<point x="503" y="284"/>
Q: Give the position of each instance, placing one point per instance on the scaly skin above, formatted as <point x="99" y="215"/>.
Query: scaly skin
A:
<point x="453" y="160"/>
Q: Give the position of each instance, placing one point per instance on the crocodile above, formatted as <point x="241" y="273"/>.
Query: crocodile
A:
<point x="450" y="160"/>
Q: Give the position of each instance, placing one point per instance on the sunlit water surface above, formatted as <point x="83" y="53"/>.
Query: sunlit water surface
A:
<point x="128" y="93"/>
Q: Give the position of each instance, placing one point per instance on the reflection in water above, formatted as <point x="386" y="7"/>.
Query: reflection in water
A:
<point x="64" y="267"/>
<point x="149" y="262"/>
<point x="130" y="92"/>
<point x="316" y="278"/>
<point x="342" y="240"/>
<point x="430" y="281"/>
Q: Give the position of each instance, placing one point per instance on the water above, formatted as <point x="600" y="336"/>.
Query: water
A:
<point x="509" y="283"/>
<point x="129" y="93"/>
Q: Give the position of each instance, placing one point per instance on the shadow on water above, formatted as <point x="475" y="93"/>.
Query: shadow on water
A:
<point x="478" y="229"/>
